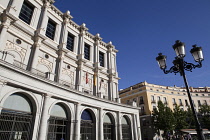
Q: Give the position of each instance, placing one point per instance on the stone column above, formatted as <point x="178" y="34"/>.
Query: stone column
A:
<point x="5" y="27"/>
<point x="101" y="132"/>
<point x="80" y="62"/>
<point x="44" y="18"/>
<point x="34" y="56"/>
<point x="77" y="122"/>
<point x="62" y="45"/>
<point x="138" y="126"/>
<point x="110" y="81"/>
<point x="135" y="134"/>
<point x="119" y="132"/>
<point x="44" y="118"/>
<point x="96" y="63"/>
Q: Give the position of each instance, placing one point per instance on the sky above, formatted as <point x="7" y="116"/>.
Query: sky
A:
<point x="140" y="29"/>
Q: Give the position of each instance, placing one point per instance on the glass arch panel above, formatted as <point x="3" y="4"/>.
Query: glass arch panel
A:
<point x="16" y="118"/>
<point x="87" y="126"/>
<point x="108" y="127"/>
<point x="58" y="111"/>
<point x="126" y="129"/>
<point x="17" y="102"/>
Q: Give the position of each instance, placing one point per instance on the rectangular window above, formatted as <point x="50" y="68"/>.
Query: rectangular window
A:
<point x="26" y="12"/>
<point x="205" y="102"/>
<point x="165" y="100"/>
<point x="87" y="52"/>
<point x="70" y="42"/>
<point x="174" y="101"/>
<point x="186" y="103"/>
<point x="199" y="103"/>
<point x="101" y="59"/>
<point x="158" y="98"/>
<point x="141" y="100"/>
<point x="180" y="102"/>
<point x="50" y="32"/>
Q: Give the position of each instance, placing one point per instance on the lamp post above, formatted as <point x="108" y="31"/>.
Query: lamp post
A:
<point x="179" y="67"/>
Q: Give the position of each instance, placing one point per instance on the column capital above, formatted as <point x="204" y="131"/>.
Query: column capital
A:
<point x="67" y="17"/>
<point x="83" y="29"/>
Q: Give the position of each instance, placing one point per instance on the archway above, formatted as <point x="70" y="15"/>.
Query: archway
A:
<point x="109" y="127"/>
<point x="87" y="127"/>
<point x="16" y="118"/>
<point x="58" y="124"/>
<point x="126" y="128"/>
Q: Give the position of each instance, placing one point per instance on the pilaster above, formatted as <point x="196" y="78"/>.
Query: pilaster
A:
<point x="44" y="118"/>
<point x="81" y="60"/>
<point x="62" y="45"/>
<point x="119" y="126"/>
<point x="100" y="133"/>
<point x="4" y="28"/>
<point x="77" y="122"/>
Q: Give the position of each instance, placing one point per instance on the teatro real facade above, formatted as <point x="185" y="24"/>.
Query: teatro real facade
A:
<point x="57" y="80"/>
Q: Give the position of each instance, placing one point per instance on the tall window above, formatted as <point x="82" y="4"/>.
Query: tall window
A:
<point x="164" y="100"/>
<point x="70" y="42"/>
<point x="180" y="102"/>
<point x="26" y="12"/>
<point x="174" y="101"/>
<point x="101" y="59"/>
<point x="51" y="26"/>
<point x="199" y="103"/>
<point x="109" y="131"/>
<point x="126" y="129"/>
<point x="141" y="100"/>
<point x="87" y="52"/>
<point x="87" y="128"/>
<point x="152" y="99"/>
<point x="16" y="119"/>
<point x="186" y="103"/>
<point x="57" y="124"/>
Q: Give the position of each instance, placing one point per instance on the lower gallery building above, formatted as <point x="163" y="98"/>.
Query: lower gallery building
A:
<point x="146" y="96"/>
<point x="57" y="80"/>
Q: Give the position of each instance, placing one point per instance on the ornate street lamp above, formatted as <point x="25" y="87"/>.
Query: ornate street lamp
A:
<point x="179" y="67"/>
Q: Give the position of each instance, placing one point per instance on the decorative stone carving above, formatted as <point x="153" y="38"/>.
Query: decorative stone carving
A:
<point x="68" y="72"/>
<point x="48" y="64"/>
<point x="13" y="47"/>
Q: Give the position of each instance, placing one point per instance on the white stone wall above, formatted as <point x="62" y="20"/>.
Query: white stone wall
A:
<point x="47" y="73"/>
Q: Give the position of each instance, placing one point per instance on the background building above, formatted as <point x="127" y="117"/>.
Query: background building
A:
<point x="57" y="80"/>
<point x="146" y="96"/>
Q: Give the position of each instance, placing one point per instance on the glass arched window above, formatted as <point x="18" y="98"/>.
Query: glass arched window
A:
<point x="16" y="118"/>
<point x="87" y="128"/>
<point x="109" y="131"/>
<point x="58" y="124"/>
<point x="126" y="129"/>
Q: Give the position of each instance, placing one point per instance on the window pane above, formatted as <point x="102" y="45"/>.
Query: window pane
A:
<point x="51" y="26"/>
<point x="70" y="42"/>
<point x="101" y="59"/>
<point x="26" y="12"/>
<point x="87" y="52"/>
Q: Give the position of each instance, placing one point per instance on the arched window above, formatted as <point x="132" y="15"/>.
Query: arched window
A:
<point x="109" y="131"/>
<point x="126" y="129"/>
<point x="16" y="118"/>
<point x="58" y="124"/>
<point x="87" y="128"/>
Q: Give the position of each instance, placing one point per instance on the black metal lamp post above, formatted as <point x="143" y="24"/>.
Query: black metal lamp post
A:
<point x="179" y="67"/>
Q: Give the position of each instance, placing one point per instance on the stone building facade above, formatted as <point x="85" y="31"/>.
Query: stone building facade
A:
<point x="146" y="96"/>
<point x="57" y="80"/>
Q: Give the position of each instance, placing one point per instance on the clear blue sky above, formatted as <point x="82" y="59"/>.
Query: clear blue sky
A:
<point x="140" y="29"/>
